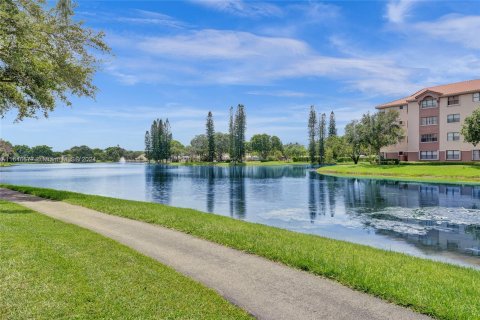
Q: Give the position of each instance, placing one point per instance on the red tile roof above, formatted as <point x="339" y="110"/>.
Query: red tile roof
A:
<point x="444" y="90"/>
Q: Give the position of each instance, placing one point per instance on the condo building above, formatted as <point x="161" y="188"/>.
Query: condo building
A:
<point x="432" y="119"/>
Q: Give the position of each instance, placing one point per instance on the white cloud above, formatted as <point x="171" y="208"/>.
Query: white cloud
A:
<point x="154" y="18"/>
<point x="455" y="28"/>
<point x="222" y="44"/>
<point x="242" y="8"/>
<point x="398" y="10"/>
<point x="280" y="93"/>
<point x="233" y="57"/>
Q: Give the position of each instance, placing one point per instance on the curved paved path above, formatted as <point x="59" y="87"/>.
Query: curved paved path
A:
<point x="266" y="289"/>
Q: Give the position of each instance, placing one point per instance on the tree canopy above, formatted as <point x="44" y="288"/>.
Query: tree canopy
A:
<point x="380" y="129"/>
<point x="45" y="56"/>
<point x="471" y="128"/>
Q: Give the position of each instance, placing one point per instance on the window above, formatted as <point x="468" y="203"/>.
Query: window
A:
<point x="453" y="155"/>
<point x="427" y="121"/>
<point x="453" y="118"/>
<point x="429" y="137"/>
<point x="453" y="136"/>
<point x="453" y="100"/>
<point x="428" y="103"/>
<point x="476" y="97"/>
<point x="401" y="107"/>
<point x="428" y="155"/>
<point x="476" y="155"/>
<point x="401" y="123"/>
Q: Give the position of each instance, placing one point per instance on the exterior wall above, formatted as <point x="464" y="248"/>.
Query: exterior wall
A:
<point x="464" y="108"/>
<point x="413" y="128"/>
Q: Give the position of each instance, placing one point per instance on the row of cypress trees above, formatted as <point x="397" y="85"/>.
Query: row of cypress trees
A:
<point x="158" y="141"/>
<point x="236" y="133"/>
<point x="317" y="134"/>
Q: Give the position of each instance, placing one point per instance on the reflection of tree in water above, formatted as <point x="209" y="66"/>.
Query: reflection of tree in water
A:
<point x="273" y="172"/>
<point x="312" y="198"/>
<point x="237" y="192"/>
<point x="473" y="230"/>
<point x="210" y="189"/>
<point x="159" y="181"/>
<point x="332" y="193"/>
<point x="322" y="194"/>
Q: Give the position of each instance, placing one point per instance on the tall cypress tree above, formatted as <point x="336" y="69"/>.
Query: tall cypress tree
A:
<point x="154" y="140"/>
<point x="167" y="140"/>
<point x="240" y="127"/>
<point x="148" y="146"/>
<point x="160" y="142"/>
<point x="210" y="137"/>
<point x="332" y="127"/>
<point x="312" y="127"/>
<point x="321" y="138"/>
<point x="231" y="136"/>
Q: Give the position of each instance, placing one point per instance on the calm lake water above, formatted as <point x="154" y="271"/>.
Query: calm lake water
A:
<point x="440" y="222"/>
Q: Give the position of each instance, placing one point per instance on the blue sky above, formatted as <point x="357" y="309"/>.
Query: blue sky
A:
<point x="178" y="60"/>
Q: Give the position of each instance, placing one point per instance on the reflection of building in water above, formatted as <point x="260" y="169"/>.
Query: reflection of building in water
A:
<point x="391" y="208"/>
<point x="375" y="194"/>
<point x="444" y="237"/>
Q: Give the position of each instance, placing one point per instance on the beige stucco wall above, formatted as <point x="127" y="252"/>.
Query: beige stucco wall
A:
<point x="464" y="108"/>
<point x="413" y="126"/>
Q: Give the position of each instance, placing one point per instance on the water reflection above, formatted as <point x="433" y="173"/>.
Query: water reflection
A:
<point x="428" y="220"/>
<point x="158" y="182"/>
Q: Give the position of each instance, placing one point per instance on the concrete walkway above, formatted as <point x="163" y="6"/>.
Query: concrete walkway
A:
<point x="265" y="289"/>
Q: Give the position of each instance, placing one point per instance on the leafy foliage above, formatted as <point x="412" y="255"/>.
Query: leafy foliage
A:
<point x="44" y="56"/>
<point x="471" y="128"/>
<point x="261" y="144"/>
<point x="380" y="129"/>
<point x="353" y="137"/>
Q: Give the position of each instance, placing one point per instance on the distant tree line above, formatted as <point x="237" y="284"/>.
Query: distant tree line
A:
<point x="110" y="154"/>
<point x="364" y="137"/>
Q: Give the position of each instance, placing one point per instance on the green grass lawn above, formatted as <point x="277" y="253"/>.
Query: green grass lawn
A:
<point x="460" y="173"/>
<point x="438" y="289"/>
<point x="248" y="163"/>
<point x="53" y="270"/>
<point x="5" y="164"/>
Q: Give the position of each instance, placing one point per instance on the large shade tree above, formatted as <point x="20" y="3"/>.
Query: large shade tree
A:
<point x="45" y="56"/>
<point x="354" y="139"/>
<point x="381" y="129"/>
<point x="471" y="128"/>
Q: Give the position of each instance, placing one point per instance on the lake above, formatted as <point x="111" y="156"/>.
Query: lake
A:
<point x="435" y="221"/>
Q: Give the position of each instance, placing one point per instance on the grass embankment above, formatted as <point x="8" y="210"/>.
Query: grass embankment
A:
<point x="5" y="164"/>
<point x="247" y="163"/>
<point x="442" y="290"/>
<point x="458" y="173"/>
<point x="53" y="270"/>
